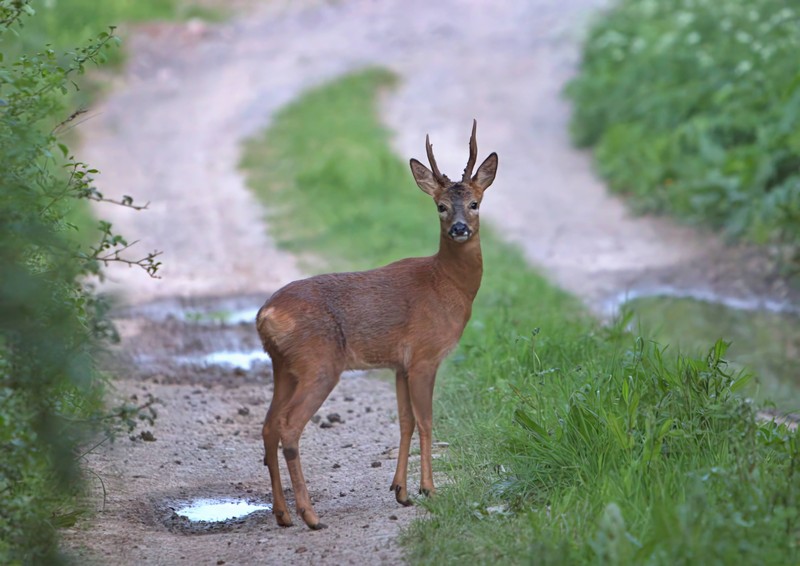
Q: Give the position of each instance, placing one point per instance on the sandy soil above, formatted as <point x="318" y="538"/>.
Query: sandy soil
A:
<point x="170" y="132"/>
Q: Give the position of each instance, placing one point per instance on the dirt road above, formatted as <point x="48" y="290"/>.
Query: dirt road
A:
<point x="169" y="133"/>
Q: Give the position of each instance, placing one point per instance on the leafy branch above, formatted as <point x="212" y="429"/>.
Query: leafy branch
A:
<point x="110" y="249"/>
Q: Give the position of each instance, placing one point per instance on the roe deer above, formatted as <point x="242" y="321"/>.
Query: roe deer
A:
<point x="406" y="316"/>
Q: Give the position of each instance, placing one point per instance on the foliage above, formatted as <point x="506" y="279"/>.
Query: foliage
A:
<point x="569" y="442"/>
<point x="693" y="107"/>
<point x="51" y="322"/>
<point x="65" y="24"/>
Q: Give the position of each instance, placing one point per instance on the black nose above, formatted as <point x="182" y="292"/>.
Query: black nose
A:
<point x="459" y="229"/>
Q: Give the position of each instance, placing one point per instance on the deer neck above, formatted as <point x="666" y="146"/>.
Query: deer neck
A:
<point x="462" y="264"/>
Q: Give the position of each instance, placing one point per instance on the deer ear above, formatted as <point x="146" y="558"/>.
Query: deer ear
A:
<point x="486" y="172"/>
<point x="424" y="178"/>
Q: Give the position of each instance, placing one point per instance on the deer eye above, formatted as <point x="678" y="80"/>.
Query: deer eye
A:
<point x="473" y="205"/>
<point x="442" y="208"/>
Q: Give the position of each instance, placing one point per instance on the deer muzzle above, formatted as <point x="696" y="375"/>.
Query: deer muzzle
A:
<point x="460" y="232"/>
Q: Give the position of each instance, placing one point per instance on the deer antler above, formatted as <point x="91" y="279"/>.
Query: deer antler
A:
<point x="473" y="154"/>
<point x="440" y="177"/>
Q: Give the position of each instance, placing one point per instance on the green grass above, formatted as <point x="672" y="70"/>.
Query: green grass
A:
<point x="764" y="342"/>
<point x="569" y="442"/>
<point x="693" y="108"/>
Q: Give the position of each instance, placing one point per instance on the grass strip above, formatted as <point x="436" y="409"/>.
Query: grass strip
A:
<point x="569" y="442"/>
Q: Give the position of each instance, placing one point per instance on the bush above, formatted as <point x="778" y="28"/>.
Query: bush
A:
<point x="51" y="322"/>
<point x="693" y="107"/>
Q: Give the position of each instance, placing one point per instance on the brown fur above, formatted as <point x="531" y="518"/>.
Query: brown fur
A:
<point x="406" y="316"/>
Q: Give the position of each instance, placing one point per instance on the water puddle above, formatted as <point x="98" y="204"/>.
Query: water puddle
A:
<point x="765" y="337"/>
<point x="228" y="359"/>
<point x="214" y="510"/>
<point x="214" y="317"/>
<point x="243" y="360"/>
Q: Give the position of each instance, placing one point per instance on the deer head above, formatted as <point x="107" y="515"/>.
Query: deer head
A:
<point x="458" y="202"/>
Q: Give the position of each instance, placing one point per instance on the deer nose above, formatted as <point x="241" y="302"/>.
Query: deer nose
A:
<point x="459" y="229"/>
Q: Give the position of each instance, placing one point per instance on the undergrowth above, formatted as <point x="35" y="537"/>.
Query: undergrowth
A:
<point x="693" y="107"/>
<point x="52" y="322"/>
<point x="569" y="442"/>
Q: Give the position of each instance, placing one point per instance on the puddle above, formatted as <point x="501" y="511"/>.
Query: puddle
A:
<point x="765" y="338"/>
<point x="243" y="360"/>
<point x="227" y="359"/>
<point x="213" y="510"/>
<point x="208" y="515"/>
<point x="611" y="306"/>
<point x="201" y="311"/>
<point x="239" y="316"/>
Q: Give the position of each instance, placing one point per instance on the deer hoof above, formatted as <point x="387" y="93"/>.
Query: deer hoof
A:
<point x="425" y="491"/>
<point x="312" y="520"/>
<point x="398" y="490"/>
<point x="283" y="518"/>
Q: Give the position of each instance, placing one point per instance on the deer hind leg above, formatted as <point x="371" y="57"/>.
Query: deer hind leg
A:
<point x="305" y="401"/>
<point x="420" y="388"/>
<point x="282" y="390"/>
<point x="405" y="415"/>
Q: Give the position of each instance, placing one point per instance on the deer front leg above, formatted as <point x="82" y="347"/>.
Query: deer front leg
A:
<point x="420" y="387"/>
<point x="405" y="415"/>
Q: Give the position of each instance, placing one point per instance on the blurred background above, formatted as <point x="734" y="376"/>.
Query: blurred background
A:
<point x="649" y="163"/>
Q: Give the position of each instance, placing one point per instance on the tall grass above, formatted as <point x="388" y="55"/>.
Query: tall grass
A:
<point x="569" y="442"/>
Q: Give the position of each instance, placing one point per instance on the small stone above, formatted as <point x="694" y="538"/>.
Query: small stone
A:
<point x="220" y="562"/>
<point x="229" y="421"/>
<point x="147" y="436"/>
<point x="315" y="419"/>
<point x="392" y="517"/>
<point x="367" y="409"/>
<point x="377" y="464"/>
<point x="342" y="494"/>
<point x="325" y="424"/>
<point x="301" y="550"/>
<point x="350" y="445"/>
<point x="244" y="411"/>
<point x="348" y="398"/>
<point x="337" y="466"/>
<point x="334" y="418"/>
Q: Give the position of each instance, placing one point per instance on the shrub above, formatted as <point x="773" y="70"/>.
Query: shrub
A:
<point x="51" y="322"/>
<point x="693" y="107"/>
